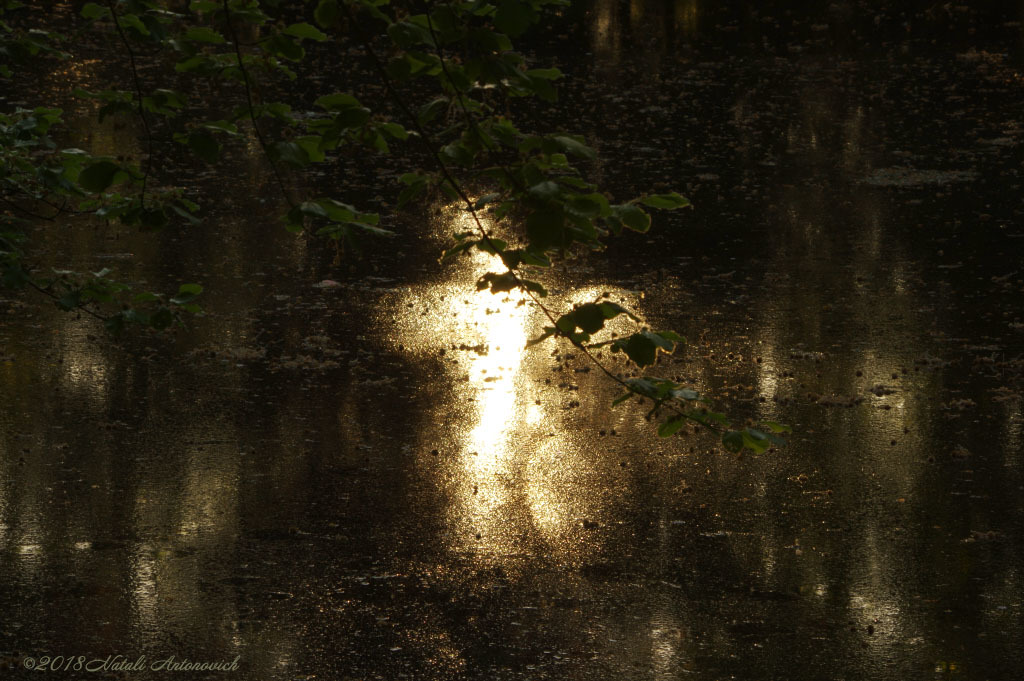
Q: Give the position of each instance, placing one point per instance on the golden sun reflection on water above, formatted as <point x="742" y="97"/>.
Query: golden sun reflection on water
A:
<point x="515" y="473"/>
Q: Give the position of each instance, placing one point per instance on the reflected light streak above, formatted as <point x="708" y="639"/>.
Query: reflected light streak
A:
<point x="686" y="12"/>
<point x="30" y="547"/>
<point x="144" y="587"/>
<point x="209" y="503"/>
<point x="853" y="132"/>
<point x="666" y="632"/>
<point x="486" y="454"/>
<point x="550" y="512"/>
<point x="638" y="15"/>
<point x="493" y="376"/>
<point x="4" y="504"/>
<point x="875" y="600"/>
<point x="494" y="328"/>
<point x="512" y="479"/>
<point x="606" y="31"/>
<point x="1013" y="424"/>
<point x="85" y="369"/>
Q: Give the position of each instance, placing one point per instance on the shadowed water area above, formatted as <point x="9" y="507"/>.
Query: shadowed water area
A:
<point x="353" y="469"/>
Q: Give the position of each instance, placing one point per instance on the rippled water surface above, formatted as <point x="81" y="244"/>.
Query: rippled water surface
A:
<point x="354" y="469"/>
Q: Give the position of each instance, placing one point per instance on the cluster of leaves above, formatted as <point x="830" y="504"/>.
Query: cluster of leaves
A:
<point x="34" y="174"/>
<point x="18" y="45"/>
<point x="666" y="393"/>
<point x="461" y="52"/>
<point x="672" y="402"/>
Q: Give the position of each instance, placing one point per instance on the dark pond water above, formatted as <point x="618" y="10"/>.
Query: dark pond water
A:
<point x="374" y="480"/>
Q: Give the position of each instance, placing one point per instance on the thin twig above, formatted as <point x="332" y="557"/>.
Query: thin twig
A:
<point x="139" y="95"/>
<point x="252" y="110"/>
<point x="18" y="207"/>
<point x="470" y="120"/>
<point x="54" y="296"/>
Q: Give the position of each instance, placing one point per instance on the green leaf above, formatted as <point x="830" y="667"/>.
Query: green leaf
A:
<point x="535" y="287"/>
<point x="776" y="427"/>
<point x="514" y="17"/>
<point x="222" y="126"/>
<point x="278" y="110"/>
<point x="288" y="152"/>
<point x="622" y="398"/>
<point x="498" y="283"/>
<point x="545" y="229"/>
<point x="542" y="87"/>
<point x="733" y="440"/>
<point x="395" y="130"/>
<point x="153" y="218"/>
<point x="549" y="331"/>
<point x="750" y="438"/>
<point x="195" y="63"/>
<point x="546" y="74"/>
<point x="588" y="205"/>
<point x="311" y="145"/>
<point x="406" y="34"/>
<point x="183" y="213"/>
<point x="14" y="276"/>
<point x="352" y="117"/>
<point x="654" y="388"/>
<point x="203" y="34"/>
<point x="93" y="11"/>
<point x="632" y="217"/>
<point x="204" y="145"/>
<point x="612" y="310"/>
<point x="327" y="13"/>
<point x="313" y="209"/>
<point x="590" y="318"/>
<point x="283" y="46"/>
<point x="306" y="31"/>
<point x="486" y="199"/>
<point x="492" y="246"/>
<point x="756" y="440"/>
<point x="664" y="201"/>
<point x="531" y="257"/>
<point x="456" y="249"/>
<point x="411" y="192"/>
<point x="115" y="324"/>
<point x="659" y="340"/>
<point x="70" y="300"/>
<point x="640" y="349"/>
<point x="161" y="318"/>
<point x="575" y="147"/>
<point x="338" y="211"/>
<point x="133" y="22"/>
<point x="98" y="176"/>
<point x="669" y="427"/>
<point x="545" y="191"/>
<point x="432" y="110"/>
<point x="186" y="293"/>
<point x="337" y="101"/>
<point x="459" y="153"/>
